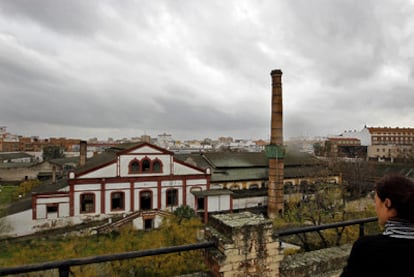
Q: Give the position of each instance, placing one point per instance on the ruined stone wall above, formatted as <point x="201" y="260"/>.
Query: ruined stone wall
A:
<point x="327" y="262"/>
<point x="245" y="246"/>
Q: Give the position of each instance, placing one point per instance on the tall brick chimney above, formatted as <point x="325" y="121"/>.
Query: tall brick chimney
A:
<point x="275" y="150"/>
<point x="82" y="153"/>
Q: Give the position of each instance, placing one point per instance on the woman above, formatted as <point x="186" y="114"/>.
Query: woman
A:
<point x="392" y="252"/>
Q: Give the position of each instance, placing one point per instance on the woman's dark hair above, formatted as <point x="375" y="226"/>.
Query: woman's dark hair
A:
<point x="400" y="190"/>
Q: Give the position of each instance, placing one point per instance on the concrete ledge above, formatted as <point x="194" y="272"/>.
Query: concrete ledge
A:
<point x="322" y="263"/>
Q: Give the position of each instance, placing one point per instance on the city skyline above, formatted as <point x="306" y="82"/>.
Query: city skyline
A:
<point x="202" y="69"/>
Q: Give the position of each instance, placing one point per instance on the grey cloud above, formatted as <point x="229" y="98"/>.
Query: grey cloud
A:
<point x="345" y="40"/>
<point x="186" y="66"/>
<point x="73" y="17"/>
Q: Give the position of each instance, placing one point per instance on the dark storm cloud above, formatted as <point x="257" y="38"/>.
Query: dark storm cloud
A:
<point x="74" y="17"/>
<point x="198" y="69"/>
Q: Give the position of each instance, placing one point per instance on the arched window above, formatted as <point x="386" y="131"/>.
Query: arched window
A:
<point x="156" y="165"/>
<point x="134" y="166"/>
<point x="146" y="165"/>
<point x="117" y="201"/>
<point x="172" y="197"/>
<point x="87" y="203"/>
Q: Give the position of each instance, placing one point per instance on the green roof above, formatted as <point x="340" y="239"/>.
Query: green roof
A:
<point x="250" y="166"/>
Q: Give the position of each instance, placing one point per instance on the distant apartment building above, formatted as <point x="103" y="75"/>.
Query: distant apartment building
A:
<point x="388" y="143"/>
<point x="385" y="143"/>
<point x="16" y="143"/>
<point x="344" y="147"/>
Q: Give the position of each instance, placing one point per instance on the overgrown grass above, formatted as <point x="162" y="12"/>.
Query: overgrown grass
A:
<point x="60" y="248"/>
<point x="7" y="194"/>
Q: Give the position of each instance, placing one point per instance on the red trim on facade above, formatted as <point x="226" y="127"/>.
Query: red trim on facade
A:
<point x="206" y="210"/>
<point x="184" y="192"/>
<point x="159" y="195"/>
<point x="72" y="200"/>
<point x="51" y="194"/>
<point x="34" y="207"/>
<point x="90" y="181"/>
<point x="131" y="196"/>
<point x="208" y="177"/>
<point x="103" y="189"/>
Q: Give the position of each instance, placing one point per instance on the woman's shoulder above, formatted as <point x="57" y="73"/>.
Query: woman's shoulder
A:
<point x="381" y="239"/>
<point x="380" y="243"/>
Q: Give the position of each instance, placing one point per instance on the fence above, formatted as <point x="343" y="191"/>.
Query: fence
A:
<point x="64" y="265"/>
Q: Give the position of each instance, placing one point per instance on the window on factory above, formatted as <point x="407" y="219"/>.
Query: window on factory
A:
<point x="145" y="198"/>
<point x="172" y="197"/>
<point x="156" y="165"/>
<point x="52" y="208"/>
<point x="134" y="166"/>
<point x="87" y="203"/>
<point x="146" y="164"/>
<point x="117" y="201"/>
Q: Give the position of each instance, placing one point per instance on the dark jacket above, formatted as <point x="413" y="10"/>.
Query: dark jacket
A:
<point x="381" y="256"/>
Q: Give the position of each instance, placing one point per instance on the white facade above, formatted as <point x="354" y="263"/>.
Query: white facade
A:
<point x="142" y="178"/>
<point x="364" y="136"/>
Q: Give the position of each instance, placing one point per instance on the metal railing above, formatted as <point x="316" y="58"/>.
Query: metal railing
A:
<point x="315" y="228"/>
<point x="64" y="265"/>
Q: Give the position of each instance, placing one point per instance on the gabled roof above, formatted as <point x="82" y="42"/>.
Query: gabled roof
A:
<point x="110" y="155"/>
<point x="106" y="157"/>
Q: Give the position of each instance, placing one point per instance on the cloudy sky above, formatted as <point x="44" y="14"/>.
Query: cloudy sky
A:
<point x="197" y="69"/>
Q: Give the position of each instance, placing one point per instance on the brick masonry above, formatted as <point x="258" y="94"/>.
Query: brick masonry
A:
<point x="245" y="246"/>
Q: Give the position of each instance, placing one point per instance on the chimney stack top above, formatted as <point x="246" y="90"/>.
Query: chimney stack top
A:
<point x="276" y="72"/>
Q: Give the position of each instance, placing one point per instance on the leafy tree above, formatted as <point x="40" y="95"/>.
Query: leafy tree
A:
<point x="25" y="187"/>
<point x="184" y="212"/>
<point x="321" y="207"/>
